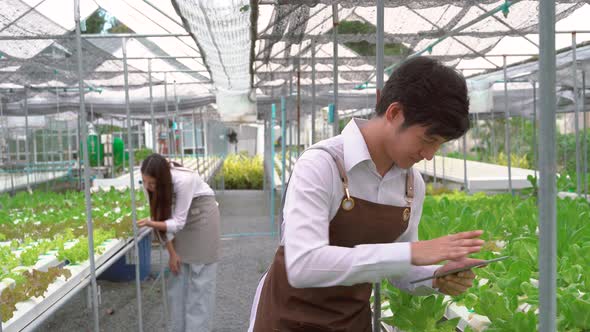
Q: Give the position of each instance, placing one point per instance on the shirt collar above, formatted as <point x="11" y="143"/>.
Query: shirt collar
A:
<point x="354" y="145"/>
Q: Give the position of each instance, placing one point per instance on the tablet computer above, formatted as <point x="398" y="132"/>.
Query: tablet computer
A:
<point x="461" y="269"/>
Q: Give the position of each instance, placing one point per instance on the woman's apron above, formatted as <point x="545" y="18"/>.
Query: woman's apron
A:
<point x="340" y="308"/>
<point x="198" y="241"/>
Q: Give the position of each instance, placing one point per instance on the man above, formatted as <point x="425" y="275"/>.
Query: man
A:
<point x="352" y="209"/>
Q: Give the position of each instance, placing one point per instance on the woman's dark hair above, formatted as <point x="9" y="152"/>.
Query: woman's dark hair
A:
<point x="158" y="167"/>
<point x="430" y="94"/>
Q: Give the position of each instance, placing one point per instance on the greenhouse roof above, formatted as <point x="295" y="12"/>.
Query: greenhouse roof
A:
<point x="227" y="60"/>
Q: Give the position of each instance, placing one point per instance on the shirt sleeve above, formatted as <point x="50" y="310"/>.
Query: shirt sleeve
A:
<point x="310" y="260"/>
<point x="184" y="195"/>
<point x="416" y="272"/>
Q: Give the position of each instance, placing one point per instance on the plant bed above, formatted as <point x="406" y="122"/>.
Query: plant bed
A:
<point x="505" y="295"/>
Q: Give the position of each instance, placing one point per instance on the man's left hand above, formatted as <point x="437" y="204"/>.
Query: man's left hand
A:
<point x="455" y="284"/>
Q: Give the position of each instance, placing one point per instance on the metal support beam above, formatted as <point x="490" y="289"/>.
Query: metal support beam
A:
<point x="204" y="133"/>
<point x="283" y="145"/>
<point x="465" y="181"/>
<point x="336" y="125"/>
<point x="27" y="157"/>
<point x="195" y="139"/>
<point x="272" y="168"/>
<point x="518" y="33"/>
<point x="576" y="116"/>
<point x="153" y="121"/>
<point x="547" y="194"/>
<point x="167" y="124"/>
<point x="535" y="150"/>
<point x="454" y="38"/>
<point x="132" y="190"/>
<point x="84" y="128"/>
<point x="313" y="101"/>
<point x="584" y="139"/>
<point x="507" y="128"/>
<point x="298" y="107"/>
<point x="270" y="45"/>
<point x="93" y="36"/>
<point x="379" y="73"/>
<point x="178" y="128"/>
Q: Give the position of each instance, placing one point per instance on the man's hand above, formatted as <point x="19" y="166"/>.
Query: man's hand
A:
<point x="450" y="247"/>
<point x="455" y="284"/>
<point x="174" y="263"/>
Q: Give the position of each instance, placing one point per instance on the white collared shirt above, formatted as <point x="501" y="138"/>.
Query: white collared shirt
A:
<point x="314" y="196"/>
<point x="187" y="185"/>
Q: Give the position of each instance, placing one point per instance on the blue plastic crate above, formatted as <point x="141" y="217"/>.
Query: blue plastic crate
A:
<point x="124" y="268"/>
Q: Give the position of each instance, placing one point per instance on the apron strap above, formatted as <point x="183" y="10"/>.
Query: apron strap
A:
<point x="410" y="186"/>
<point x="344" y="178"/>
<point x="339" y="165"/>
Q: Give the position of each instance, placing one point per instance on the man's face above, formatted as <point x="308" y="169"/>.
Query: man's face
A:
<point x="407" y="146"/>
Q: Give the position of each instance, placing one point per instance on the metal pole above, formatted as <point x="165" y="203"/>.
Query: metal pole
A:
<point x="507" y="146"/>
<point x="141" y="134"/>
<point x="434" y="169"/>
<point x="291" y="129"/>
<point x="77" y="146"/>
<point x="443" y="178"/>
<point x="313" y="105"/>
<point x="132" y="187"/>
<point x="272" y="162"/>
<point x="167" y="125"/>
<point x="465" y="182"/>
<point x="584" y="137"/>
<point x="535" y="152"/>
<point x="335" y="125"/>
<point x="154" y="142"/>
<point x="178" y="127"/>
<point x="266" y="150"/>
<point x="69" y="133"/>
<point x="112" y="149"/>
<point x="82" y="118"/>
<point x="27" y="158"/>
<point x="379" y="73"/>
<point x="97" y="147"/>
<point x="195" y="141"/>
<point x="547" y="194"/>
<point x="283" y="145"/>
<point x="298" y="108"/>
<point x="8" y="153"/>
<point x="203" y="133"/>
<point x="34" y="148"/>
<point x="565" y="145"/>
<point x="17" y="149"/>
<point x="576" y="116"/>
<point x="91" y="36"/>
<point x="493" y="134"/>
<point x="44" y="154"/>
<point x="61" y="155"/>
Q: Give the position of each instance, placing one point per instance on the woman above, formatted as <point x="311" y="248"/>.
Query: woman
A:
<point x="184" y="211"/>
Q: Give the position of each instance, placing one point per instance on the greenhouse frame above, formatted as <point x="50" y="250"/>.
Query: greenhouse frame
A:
<point x="236" y="90"/>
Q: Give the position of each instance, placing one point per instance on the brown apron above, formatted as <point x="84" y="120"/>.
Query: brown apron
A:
<point x="340" y="308"/>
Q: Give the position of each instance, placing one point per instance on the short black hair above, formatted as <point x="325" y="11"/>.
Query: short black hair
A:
<point x="431" y="95"/>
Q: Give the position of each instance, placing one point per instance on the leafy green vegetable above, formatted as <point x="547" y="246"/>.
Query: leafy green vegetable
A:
<point x="509" y="297"/>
